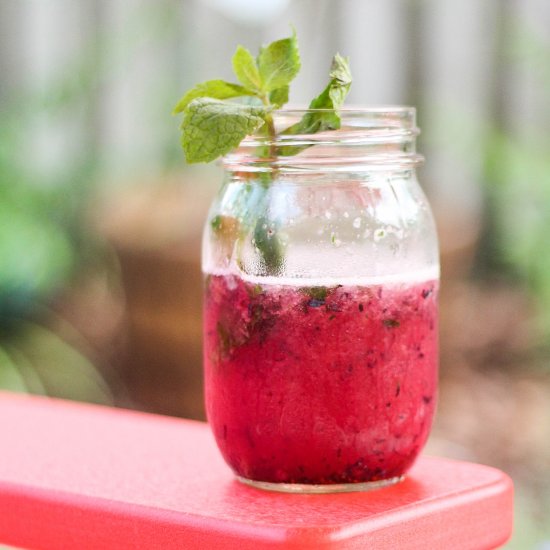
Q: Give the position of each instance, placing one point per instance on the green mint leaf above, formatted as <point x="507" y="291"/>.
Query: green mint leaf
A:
<point x="211" y="128"/>
<point x="333" y="96"/>
<point x="279" y="96"/>
<point x="216" y="223"/>
<point x="279" y="63"/>
<point x="340" y="83"/>
<point x="330" y="100"/>
<point x="216" y="89"/>
<point x="318" y="293"/>
<point x="245" y="69"/>
<point x="226" y="341"/>
<point x="267" y="241"/>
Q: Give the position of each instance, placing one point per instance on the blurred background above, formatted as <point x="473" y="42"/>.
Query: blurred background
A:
<point x="100" y="219"/>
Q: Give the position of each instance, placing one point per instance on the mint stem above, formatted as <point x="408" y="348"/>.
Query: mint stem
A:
<point x="270" y="125"/>
<point x="266" y="238"/>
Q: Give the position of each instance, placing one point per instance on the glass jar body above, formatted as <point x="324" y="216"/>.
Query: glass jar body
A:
<point x="320" y="325"/>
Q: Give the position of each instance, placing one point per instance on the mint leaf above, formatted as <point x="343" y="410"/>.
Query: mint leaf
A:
<point x="267" y="241"/>
<point x="217" y="89"/>
<point x="279" y="96"/>
<point x="318" y="293"/>
<point x="245" y="69"/>
<point x="279" y="63"/>
<point x="340" y="83"/>
<point x="330" y="100"/>
<point x="212" y="128"/>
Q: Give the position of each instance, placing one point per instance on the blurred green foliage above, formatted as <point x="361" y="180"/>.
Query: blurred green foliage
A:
<point x="36" y="251"/>
<point x="41" y="240"/>
<point x="515" y="179"/>
<point x="42" y="243"/>
<point x="45" y="241"/>
<point x="517" y="173"/>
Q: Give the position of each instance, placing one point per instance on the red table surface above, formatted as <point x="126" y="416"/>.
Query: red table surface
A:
<point x="76" y="476"/>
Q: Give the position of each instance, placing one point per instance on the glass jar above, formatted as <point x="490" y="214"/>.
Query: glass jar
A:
<point x="320" y="323"/>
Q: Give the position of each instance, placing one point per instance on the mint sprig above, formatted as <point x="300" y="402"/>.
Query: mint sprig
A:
<point x="212" y="128"/>
<point x="214" y="123"/>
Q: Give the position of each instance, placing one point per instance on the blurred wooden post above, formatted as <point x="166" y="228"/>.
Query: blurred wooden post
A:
<point x="155" y="229"/>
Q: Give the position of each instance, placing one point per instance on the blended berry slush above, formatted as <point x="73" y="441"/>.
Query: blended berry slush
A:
<point x="321" y="383"/>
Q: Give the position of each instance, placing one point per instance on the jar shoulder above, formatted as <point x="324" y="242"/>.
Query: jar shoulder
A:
<point x="335" y="227"/>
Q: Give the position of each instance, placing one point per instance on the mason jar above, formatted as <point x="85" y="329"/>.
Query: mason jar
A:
<point x="321" y="271"/>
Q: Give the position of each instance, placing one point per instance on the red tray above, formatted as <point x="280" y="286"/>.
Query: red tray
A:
<point x="84" y="477"/>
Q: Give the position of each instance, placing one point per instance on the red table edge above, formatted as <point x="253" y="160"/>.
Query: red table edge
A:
<point x="50" y="506"/>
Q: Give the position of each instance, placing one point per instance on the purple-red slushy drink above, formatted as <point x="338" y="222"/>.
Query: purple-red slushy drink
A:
<point x="320" y="384"/>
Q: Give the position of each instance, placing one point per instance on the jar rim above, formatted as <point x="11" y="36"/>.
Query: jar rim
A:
<point x="358" y="116"/>
<point x="352" y="109"/>
<point x="367" y="135"/>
